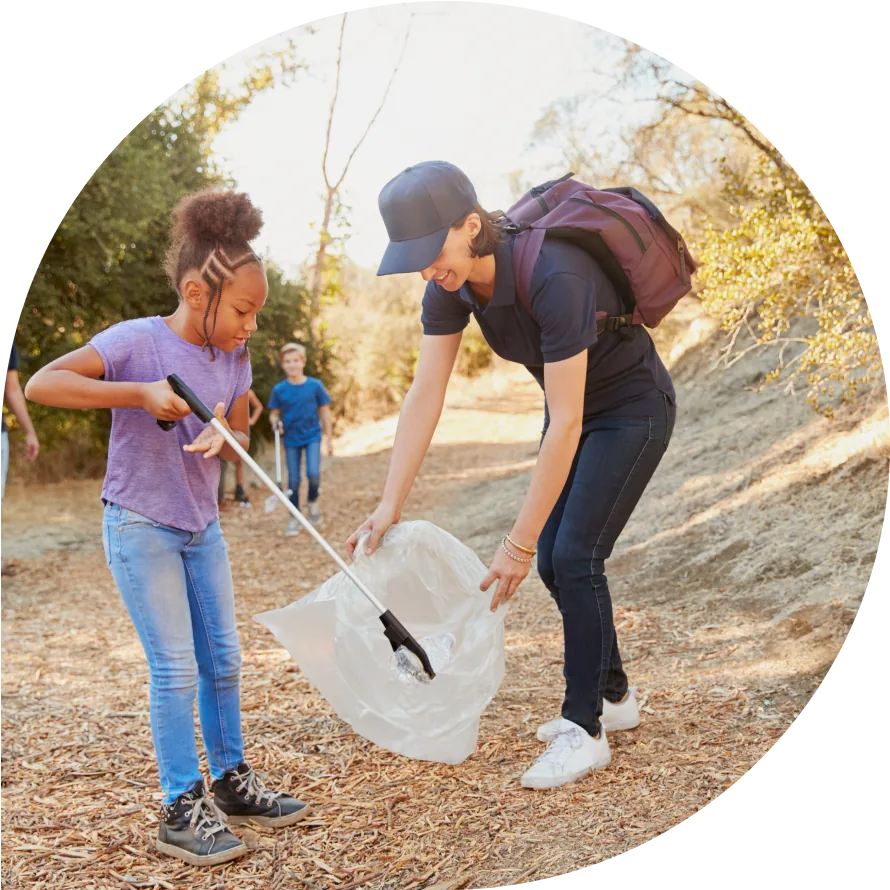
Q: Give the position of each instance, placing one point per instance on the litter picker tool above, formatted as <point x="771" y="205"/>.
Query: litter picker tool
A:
<point x="393" y="629"/>
<point x="272" y="501"/>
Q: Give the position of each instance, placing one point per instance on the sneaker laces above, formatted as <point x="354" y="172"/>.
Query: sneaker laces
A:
<point x="561" y="747"/>
<point x="254" y="787"/>
<point x="206" y="816"/>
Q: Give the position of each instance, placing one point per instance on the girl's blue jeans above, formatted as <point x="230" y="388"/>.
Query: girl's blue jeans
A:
<point x="177" y="587"/>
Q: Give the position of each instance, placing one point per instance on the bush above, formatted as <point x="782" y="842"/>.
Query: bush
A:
<point x="375" y="334"/>
<point x="780" y="276"/>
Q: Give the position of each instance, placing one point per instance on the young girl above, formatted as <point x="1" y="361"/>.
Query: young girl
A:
<point x="161" y="533"/>
<point x="255" y="407"/>
<point x="609" y="416"/>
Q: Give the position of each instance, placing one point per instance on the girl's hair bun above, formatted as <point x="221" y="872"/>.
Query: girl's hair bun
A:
<point x="204" y="221"/>
<point x="216" y="216"/>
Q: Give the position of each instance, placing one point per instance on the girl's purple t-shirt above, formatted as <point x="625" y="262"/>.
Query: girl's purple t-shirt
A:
<point x="148" y="471"/>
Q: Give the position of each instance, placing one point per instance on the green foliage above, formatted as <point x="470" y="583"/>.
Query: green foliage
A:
<point x="103" y="265"/>
<point x="375" y="335"/>
<point x="780" y="275"/>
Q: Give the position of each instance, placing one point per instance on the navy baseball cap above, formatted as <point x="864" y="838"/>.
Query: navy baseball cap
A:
<point x="418" y="207"/>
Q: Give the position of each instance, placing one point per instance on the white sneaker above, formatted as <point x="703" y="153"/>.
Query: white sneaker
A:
<point x="293" y="528"/>
<point x="314" y="513"/>
<point x="623" y="715"/>
<point x="572" y="755"/>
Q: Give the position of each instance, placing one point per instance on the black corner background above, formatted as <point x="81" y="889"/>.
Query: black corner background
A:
<point x="812" y="809"/>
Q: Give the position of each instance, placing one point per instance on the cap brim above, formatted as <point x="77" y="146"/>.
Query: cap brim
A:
<point x="412" y="256"/>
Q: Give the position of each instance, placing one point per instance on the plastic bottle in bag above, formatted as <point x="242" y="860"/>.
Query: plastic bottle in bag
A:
<point x="430" y="581"/>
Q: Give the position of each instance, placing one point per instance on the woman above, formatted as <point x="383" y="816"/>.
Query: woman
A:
<point x="609" y="414"/>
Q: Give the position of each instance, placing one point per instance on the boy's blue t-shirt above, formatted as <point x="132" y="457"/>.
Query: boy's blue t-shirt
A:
<point x="299" y="404"/>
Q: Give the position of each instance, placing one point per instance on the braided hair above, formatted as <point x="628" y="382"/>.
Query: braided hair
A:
<point x="212" y="230"/>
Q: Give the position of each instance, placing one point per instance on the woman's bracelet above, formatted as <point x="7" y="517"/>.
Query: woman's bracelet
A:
<point x="513" y="544"/>
<point x="513" y="556"/>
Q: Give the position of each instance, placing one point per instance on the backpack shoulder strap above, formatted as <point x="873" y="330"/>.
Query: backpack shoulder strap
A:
<point x="526" y="247"/>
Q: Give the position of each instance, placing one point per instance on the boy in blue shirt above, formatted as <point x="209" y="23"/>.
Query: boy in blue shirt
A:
<point x="301" y="405"/>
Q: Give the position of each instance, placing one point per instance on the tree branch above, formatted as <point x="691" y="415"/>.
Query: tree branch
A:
<point x="327" y="135"/>
<point x="395" y="71"/>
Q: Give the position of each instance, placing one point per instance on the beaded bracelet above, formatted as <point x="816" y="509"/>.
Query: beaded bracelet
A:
<point x="512" y="543"/>
<point x="513" y="555"/>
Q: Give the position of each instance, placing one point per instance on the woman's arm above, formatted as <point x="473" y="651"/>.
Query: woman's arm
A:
<point x="564" y="385"/>
<point x="70" y="381"/>
<point x="418" y="418"/>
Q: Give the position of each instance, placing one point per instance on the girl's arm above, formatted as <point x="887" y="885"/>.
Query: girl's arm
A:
<point x="418" y="418"/>
<point x="71" y="381"/>
<point x="564" y="386"/>
<point x="256" y="405"/>
<point x="15" y="401"/>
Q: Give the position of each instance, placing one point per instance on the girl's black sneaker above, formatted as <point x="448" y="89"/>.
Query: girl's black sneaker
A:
<point x="194" y="829"/>
<point x="243" y="797"/>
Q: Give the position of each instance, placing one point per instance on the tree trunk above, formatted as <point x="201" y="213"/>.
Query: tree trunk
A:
<point x="324" y="239"/>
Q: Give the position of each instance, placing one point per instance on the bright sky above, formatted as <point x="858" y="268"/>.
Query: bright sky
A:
<point x="474" y="80"/>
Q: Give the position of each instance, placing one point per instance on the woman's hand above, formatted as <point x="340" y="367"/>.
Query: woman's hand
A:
<point x="377" y="524"/>
<point x="210" y="440"/>
<point x="160" y="401"/>
<point x="329" y="446"/>
<point x="508" y="573"/>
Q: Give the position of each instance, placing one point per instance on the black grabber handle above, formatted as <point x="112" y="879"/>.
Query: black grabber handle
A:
<point x="197" y="406"/>
<point x="395" y="632"/>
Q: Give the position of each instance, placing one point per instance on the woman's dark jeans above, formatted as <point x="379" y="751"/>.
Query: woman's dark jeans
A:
<point x="612" y="467"/>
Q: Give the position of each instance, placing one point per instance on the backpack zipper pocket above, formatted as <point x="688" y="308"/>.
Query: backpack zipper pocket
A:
<point x="617" y="216"/>
<point x="684" y="278"/>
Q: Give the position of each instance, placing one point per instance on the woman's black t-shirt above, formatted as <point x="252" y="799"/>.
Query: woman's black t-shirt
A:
<point x="568" y="287"/>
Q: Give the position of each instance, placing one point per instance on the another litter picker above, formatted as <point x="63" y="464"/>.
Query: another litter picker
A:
<point x="393" y="629"/>
<point x="273" y="500"/>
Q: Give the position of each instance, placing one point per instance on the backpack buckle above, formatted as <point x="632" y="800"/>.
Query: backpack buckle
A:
<point x="622" y="324"/>
<point x="514" y="228"/>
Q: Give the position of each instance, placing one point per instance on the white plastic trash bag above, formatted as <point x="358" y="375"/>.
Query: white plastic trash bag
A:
<point x="430" y="582"/>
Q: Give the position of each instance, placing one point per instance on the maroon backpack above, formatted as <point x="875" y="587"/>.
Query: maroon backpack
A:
<point x="644" y="256"/>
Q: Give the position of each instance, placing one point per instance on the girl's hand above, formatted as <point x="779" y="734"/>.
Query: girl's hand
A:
<point x="329" y="446"/>
<point x="210" y="440"/>
<point x="32" y="446"/>
<point x="377" y="524"/>
<point x="160" y="401"/>
<point x="508" y="573"/>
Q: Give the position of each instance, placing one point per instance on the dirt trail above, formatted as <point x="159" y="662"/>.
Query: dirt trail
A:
<point x="735" y="584"/>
